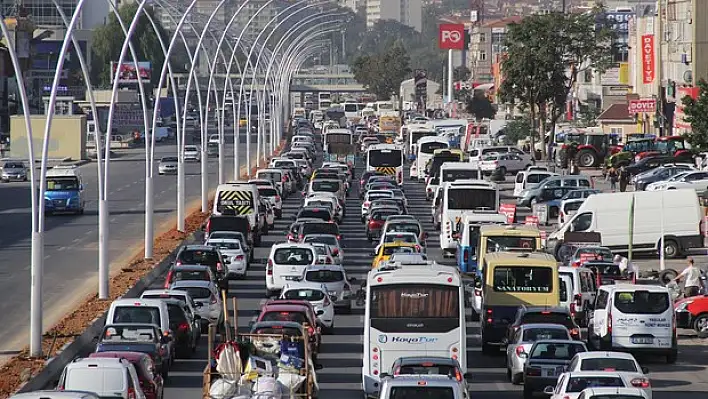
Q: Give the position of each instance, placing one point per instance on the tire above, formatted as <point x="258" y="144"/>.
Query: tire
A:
<point x="586" y="158"/>
<point x="517" y="379"/>
<point x="700" y="323"/>
<point x="502" y="171"/>
<point x="671" y="249"/>
<point x="665" y="276"/>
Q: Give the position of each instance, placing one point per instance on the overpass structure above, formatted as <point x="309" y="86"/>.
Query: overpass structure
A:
<point x="343" y="83"/>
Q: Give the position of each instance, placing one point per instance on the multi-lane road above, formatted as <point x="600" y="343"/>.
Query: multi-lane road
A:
<point x="341" y="353"/>
<point x="71" y="242"/>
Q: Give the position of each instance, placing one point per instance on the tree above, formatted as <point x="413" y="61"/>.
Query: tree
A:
<point x="696" y="112"/>
<point x="517" y="130"/>
<point x="382" y="73"/>
<point x="480" y="106"/>
<point x="545" y="54"/>
<point x="108" y="40"/>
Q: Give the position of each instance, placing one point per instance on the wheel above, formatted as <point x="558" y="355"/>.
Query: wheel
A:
<point x="586" y="158"/>
<point x="671" y="249"/>
<point x="502" y="171"/>
<point x="517" y="379"/>
<point x="363" y="219"/>
<point x="508" y="374"/>
<point x="665" y="276"/>
<point x="671" y="357"/>
<point x="700" y="323"/>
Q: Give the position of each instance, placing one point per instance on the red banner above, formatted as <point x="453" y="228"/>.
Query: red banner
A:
<point x="531" y="220"/>
<point x="640" y="106"/>
<point x="451" y="37"/>
<point x="509" y="210"/>
<point x="648" y="71"/>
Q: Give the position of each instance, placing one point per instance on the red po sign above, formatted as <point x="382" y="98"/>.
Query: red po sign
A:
<point x="451" y="37"/>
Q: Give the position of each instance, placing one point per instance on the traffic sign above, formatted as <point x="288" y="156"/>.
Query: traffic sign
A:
<point x="451" y="36"/>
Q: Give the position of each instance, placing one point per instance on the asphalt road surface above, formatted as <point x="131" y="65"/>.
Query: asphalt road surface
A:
<point x="71" y="242"/>
<point x="341" y="353"/>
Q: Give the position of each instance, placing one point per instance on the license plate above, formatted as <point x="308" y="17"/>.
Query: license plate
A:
<point x="642" y="340"/>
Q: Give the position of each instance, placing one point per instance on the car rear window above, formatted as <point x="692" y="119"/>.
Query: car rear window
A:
<point x="547" y="317"/>
<point x="429" y="368"/>
<point x="304" y="294"/>
<point x="267" y="192"/>
<point x="400" y="237"/>
<point x="293" y="256"/>
<point x="198" y="257"/>
<point x="320" y="228"/>
<point x="199" y="275"/>
<point x="314" y="214"/>
<point x="325" y="185"/>
<point x="136" y="314"/>
<point x="608" y="364"/>
<point x="196" y="292"/>
<point x="578" y="384"/>
<point x="556" y="350"/>
<point x="421" y="392"/>
<point x="404" y="227"/>
<point x="642" y="302"/>
<point x="540" y="334"/>
<point x="388" y="251"/>
<point x="297" y="317"/>
<point x="324" y="276"/>
<point x="176" y="314"/>
<point x="272" y="176"/>
<point x="128" y="334"/>
<point x="383" y="214"/>
<point x="328" y="240"/>
<point x="96" y="379"/>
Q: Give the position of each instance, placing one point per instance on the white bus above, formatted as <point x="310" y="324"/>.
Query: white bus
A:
<point x="415" y="133"/>
<point x="412" y="310"/>
<point x="453" y="171"/>
<point x="383" y="107"/>
<point x="386" y="158"/>
<point x="426" y="148"/>
<point x="460" y="196"/>
<point x="351" y="110"/>
<point x="339" y="138"/>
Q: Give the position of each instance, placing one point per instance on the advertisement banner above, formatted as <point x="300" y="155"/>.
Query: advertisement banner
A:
<point x="648" y="71"/>
<point x="128" y="72"/>
<point x="624" y="73"/>
<point x="509" y="210"/>
<point x="642" y="106"/>
<point x="451" y="36"/>
<point x="679" y="121"/>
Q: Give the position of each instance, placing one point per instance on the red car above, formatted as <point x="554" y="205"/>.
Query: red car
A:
<point x="692" y="312"/>
<point x="301" y="312"/>
<point x="150" y="381"/>
<point x="377" y="219"/>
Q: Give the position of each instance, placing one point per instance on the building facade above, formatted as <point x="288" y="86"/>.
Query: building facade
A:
<point x="486" y="48"/>
<point x="407" y="12"/>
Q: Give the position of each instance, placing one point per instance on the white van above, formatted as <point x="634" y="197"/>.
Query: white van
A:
<point x="106" y="377"/>
<point x="529" y="179"/>
<point x="277" y="176"/>
<point x="634" y="318"/>
<point x="452" y="171"/>
<point x="583" y="290"/>
<point x="426" y="149"/>
<point x="565" y="286"/>
<point x="238" y="198"/>
<point x="608" y="214"/>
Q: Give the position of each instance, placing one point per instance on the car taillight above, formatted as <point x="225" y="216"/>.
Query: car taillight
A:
<point x="366" y="203"/>
<point x="339" y="237"/>
<point x="640" y="382"/>
<point x="300" y="237"/>
<point x="417" y="248"/>
<point x="574" y="332"/>
<point x="328" y="260"/>
<point x="277" y="198"/>
<point x="183" y="327"/>
<point x="131" y="393"/>
<point x="239" y="257"/>
<point x="310" y="330"/>
<point x="458" y="375"/>
<point x="168" y="279"/>
<point x="269" y="267"/>
<point x="397" y="371"/>
<point x="284" y="179"/>
<point x="178" y="263"/>
<point x="520" y="350"/>
<point x="212" y="300"/>
<point x="219" y="267"/>
<point x="208" y="226"/>
<point x="576" y="263"/>
<point x="326" y="301"/>
<point x="335" y="252"/>
<point x="572" y="308"/>
<point x="400" y="177"/>
<point x="489" y="316"/>
<point x="609" y="322"/>
<point x="146" y="386"/>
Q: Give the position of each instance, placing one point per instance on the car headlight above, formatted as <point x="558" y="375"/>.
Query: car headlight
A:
<point x="683" y="305"/>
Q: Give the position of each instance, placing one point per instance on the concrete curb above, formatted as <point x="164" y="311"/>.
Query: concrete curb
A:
<point x="84" y="344"/>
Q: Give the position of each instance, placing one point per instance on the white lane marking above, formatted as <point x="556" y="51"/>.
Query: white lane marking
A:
<point x="76" y="240"/>
<point x="113" y="220"/>
<point x="61" y="248"/>
<point x="88" y="232"/>
<point x="163" y="192"/>
<point x="119" y="189"/>
<point x="15" y="210"/>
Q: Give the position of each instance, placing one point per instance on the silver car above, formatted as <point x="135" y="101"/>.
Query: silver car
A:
<point x="192" y="153"/>
<point x="14" y="171"/>
<point x="167" y="166"/>
<point x="331" y="241"/>
<point x="518" y="349"/>
<point x="338" y="285"/>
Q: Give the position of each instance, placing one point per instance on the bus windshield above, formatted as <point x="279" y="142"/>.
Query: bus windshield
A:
<point x="429" y="148"/>
<point x="383" y="158"/>
<point x="529" y="279"/>
<point x="505" y="243"/>
<point x="471" y="198"/>
<point x="416" y="308"/>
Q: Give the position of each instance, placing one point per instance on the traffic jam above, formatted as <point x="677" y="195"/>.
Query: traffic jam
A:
<point x="438" y="245"/>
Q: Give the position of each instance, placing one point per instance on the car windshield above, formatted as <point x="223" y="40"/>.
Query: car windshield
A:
<point x="314" y="214"/>
<point x="608" y="364"/>
<point x="405" y="227"/>
<point x="504" y="243"/>
<point x="62" y="184"/>
<point x="11" y="165"/>
<point x="643" y="302"/>
<point x="199" y="275"/>
<point x="304" y="294"/>
<point x="605" y="253"/>
<point x="325" y="185"/>
<point x="544" y="333"/>
<point x="543" y="316"/>
<point x="320" y="228"/>
<point x="383" y="214"/>
<point x="572" y="206"/>
<point x="578" y="384"/>
<point x="129" y="334"/>
<point x="429" y="368"/>
<point x="169" y="159"/>
<point x="297" y="317"/>
<point x="267" y="192"/>
<point x="556" y="350"/>
<point x="136" y="314"/>
<point x="293" y="256"/>
<point x="324" y="276"/>
<point x="190" y="148"/>
<point x="329" y="240"/>
<point x="284" y="164"/>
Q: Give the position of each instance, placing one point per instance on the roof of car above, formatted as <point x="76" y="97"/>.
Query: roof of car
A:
<point x="165" y="292"/>
<point x="196" y="247"/>
<point x="137" y="302"/>
<point x="132" y="357"/>
<point x="288" y="306"/>
<point x="607" y="354"/>
<point x="614" y="391"/>
<point x="325" y="267"/>
<point x="137" y="325"/>
<point x="292" y="245"/>
<point x="191" y="267"/>
<point x="414" y="380"/>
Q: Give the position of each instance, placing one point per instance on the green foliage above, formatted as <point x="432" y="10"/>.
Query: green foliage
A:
<point x="383" y="72"/>
<point x="461" y="73"/>
<point x="480" y="106"/>
<point x="108" y="40"/>
<point x="696" y="112"/>
<point x="545" y="54"/>
<point x="517" y="130"/>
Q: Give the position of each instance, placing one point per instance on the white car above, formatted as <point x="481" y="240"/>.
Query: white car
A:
<point x="661" y="185"/>
<point x="316" y="294"/>
<point x="272" y="195"/>
<point x="205" y="293"/>
<point x="331" y="241"/>
<point x="369" y="197"/>
<point x="330" y="202"/>
<point x="571" y="384"/>
<point x="192" y="153"/>
<point x="334" y="277"/>
<point x="697" y="180"/>
<point x="614" y="393"/>
<point x="400" y="236"/>
<point x="305" y="168"/>
<point x="173" y="294"/>
<point x="234" y="252"/>
<point x="619" y="362"/>
<point x="431" y="187"/>
<point x="568" y="208"/>
<point x="505" y="163"/>
<point x="287" y="262"/>
<point x="270" y="212"/>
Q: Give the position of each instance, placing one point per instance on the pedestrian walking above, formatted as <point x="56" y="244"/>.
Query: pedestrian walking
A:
<point x="623" y="178"/>
<point x="692" y="279"/>
<point x="613" y="177"/>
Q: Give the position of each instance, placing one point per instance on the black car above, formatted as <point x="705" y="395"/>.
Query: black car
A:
<point x="135" y="337"/>
<point x="315" y="212"/>
<point x="648" y="163"/>
<point x="607" y="272"/>
<point x="207" y="256"/>
<point x="185" y="328"/>
<point x="544" y="314"/>
<point x="365" y="179"/>
<point x="546" y="361"/>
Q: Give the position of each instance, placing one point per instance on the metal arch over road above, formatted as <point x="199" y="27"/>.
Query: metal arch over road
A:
<point x="341" y="82"/>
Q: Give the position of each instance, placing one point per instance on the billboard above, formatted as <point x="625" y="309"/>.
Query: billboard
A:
<point x="128" y="72"/>
<point x="451" y="36"/>
<point x="421" y="88"/>
<point x="648" y="71"/>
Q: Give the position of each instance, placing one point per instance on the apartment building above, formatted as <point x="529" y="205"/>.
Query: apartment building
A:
<point x="486" y="47"/>
<point x="407" y="12"/>
<point x="44" y="13"/>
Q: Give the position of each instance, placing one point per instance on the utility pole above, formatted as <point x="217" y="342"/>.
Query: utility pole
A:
<point x="658" y="44"/>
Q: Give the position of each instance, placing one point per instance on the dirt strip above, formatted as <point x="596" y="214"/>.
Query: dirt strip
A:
<point x="21" y="368"/>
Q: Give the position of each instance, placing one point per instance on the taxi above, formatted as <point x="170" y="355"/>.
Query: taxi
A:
<point x="384" y="251"/>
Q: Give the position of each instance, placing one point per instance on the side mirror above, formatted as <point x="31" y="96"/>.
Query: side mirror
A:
<point x="81" y="187"/>
<point x="320" y="312"/>
<point x="645" y="370"/>
<point x="549" y="390"/>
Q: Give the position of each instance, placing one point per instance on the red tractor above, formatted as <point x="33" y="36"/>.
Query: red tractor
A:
<point x="592" y="148"/>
